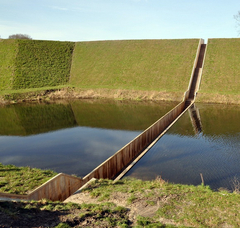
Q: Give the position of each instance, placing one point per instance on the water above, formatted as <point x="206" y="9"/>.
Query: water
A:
<point x="185" y="152"/>
<point x="75" y="137"/>
<point x="72" y="137"/>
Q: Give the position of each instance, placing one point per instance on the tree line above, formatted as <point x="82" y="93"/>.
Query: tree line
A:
<point x="19" y="36"/>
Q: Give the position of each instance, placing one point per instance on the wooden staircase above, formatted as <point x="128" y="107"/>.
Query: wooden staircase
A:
<point x="196" y="76"/>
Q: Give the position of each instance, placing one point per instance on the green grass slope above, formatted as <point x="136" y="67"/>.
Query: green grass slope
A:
<point x="8" y="52"/>
<point x="221" y="72"/>
<point x="151" y="65"/>
<point x="42" y="63"/>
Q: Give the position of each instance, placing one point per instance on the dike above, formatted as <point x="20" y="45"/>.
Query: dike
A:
<point x="33" y="70"/>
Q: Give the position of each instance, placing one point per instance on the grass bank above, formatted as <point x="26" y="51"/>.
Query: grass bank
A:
<point x="145" y="65"/>
<point x="130" y="203"/>
<point x="158" y="203"/>
<point x="28" y="64"/>
<point x="8" y="53"/>
<point x="220" y="79"/>
<point x="120" y="69"/>
<point x="22" y="180"/>
<point x="127" y="69"/>
<point x="42" y="63"/>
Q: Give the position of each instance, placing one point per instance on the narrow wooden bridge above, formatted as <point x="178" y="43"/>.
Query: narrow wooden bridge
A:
<point x="115" y="167"/>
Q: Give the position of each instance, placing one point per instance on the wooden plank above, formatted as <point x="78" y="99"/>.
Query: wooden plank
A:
<point x="58" y="188"/>
<point x="12" y="196"/>
<point x="112" y="166"/>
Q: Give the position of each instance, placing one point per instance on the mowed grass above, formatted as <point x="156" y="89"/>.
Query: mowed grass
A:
<point x="130" y="203"/>
<point x="8" y="52"/>
<point x="21" y="180"/>
<point x="151" y="65"/>
<point x="28" y="64"/>
<point x="221" y="72"/>
<point x="42" y="63"/>
<point x="180" y="205"/>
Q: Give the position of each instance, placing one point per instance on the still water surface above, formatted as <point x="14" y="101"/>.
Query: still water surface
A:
<point x="185" y="151"/>
<point x="75" y="137"/>
<point x="72" y="137"/>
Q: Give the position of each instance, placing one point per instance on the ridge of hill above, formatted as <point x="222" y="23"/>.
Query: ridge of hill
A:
<point x="120" y="69"/>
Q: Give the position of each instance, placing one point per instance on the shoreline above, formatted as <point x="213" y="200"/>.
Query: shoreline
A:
<point x="52" y="95"/>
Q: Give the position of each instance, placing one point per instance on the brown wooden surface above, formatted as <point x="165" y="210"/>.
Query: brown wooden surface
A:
<point x="12" y="196"/>
<point x="195" y="64"/>
<point x="116" y="163"/>
<point x="58" y="188"/>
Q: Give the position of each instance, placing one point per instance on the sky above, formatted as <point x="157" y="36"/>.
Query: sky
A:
<point x="90" y="20"/>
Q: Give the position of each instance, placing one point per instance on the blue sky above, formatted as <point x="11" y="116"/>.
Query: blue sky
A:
<point x="87" y="20"/>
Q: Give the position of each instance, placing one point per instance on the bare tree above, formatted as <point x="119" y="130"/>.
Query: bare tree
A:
<point x="20" y="36"/>
<point x="237" y="18"/>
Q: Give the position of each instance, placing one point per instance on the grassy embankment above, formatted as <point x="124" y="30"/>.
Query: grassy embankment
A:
<point x="131" y="203"/>
<point x="8" y="53"/>
<point x="221" y="73"/>
<point x="42" y="63"/>
<point x="142" y="69"/>
<point x="121" y="68"/>
<point x="135" y="69"/>
<point x="32" y="65"/>
<point x="22" y="180"/>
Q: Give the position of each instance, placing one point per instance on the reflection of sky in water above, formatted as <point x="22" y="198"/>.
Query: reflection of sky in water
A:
<point x="181" y="158"/>
<point x="76" y="150"/>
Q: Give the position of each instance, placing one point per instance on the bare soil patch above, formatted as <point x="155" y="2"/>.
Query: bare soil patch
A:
<point x="138" y="207"/>
<point x="78" y="211"/>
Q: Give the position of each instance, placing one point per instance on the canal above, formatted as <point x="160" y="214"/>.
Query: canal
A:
<point x="74" y="137"/>
<point x="188" y="150"/>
